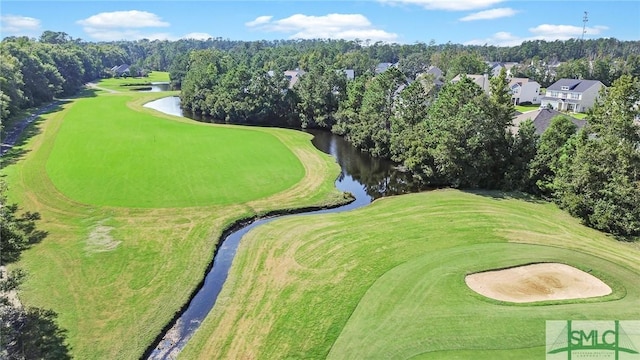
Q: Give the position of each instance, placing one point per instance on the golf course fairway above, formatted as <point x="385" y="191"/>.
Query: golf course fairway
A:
<point x="134" y="202"/>
<point x="388" y="281"/>
<point x="105" y="154"/>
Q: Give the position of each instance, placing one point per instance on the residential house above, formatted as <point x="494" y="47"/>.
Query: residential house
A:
<point x="572" y="95"/>
<point x="349" y="73"/>
<point x="438" y="78"/>
<point x="496" y="67"/>
<point x="551" y="68"/>
<point x="382" y="67"/>
<point x="481" y="80"/>
<point x="524" y="90"/>
<point x="120" y="70"/>
<point x="542" y="119"/>
<point x="293" y="76"/>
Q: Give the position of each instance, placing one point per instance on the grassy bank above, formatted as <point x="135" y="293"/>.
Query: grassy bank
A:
<point x="344" y="287"/>
<point x="116" y="271"/>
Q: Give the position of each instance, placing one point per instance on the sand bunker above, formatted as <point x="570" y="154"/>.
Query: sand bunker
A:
<point x="537" y="282"/>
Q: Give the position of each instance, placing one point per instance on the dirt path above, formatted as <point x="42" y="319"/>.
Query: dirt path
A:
<point x="95" y="86"/>
<point x="13" y="134"/>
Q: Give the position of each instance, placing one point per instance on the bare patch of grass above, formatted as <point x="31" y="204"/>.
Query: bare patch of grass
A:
<point x="100" y="239"/>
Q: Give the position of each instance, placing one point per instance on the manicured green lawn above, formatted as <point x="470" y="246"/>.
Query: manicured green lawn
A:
<point x="387" y="281"/>
<point x="525" y="108"/>
<point x="116" y="275"/>
<point x="107" y="155"/>
<point x="124" y="84"/>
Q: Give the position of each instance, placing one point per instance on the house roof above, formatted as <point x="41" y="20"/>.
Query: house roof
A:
<point x="520" y="81"/>
<point x="576" y="85"/>
<point x="434" y="70"/>
<point x="121" y="68"/>
<point x="293" y="76"/>
<point x="350" y="73"/>
<point x="381" y="67"/>
<point x="481" y="80"/>
<point x="542" y="119"/>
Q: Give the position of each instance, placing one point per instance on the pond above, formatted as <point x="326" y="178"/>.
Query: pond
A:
<point x="365" y="177"/>
<point x="153" y="87"/>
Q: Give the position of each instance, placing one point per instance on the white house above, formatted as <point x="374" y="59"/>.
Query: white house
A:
<point x="571" y="95"/>
<point x="481" y="80"/>
<point x="524" y="90"/>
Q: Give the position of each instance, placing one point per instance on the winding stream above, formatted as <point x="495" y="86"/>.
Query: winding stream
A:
<point x="365" y="177"/>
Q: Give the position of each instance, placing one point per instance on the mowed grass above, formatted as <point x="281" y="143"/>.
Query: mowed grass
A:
<point x="107" y="155"/>
<point x="116" y="275"/>
<point x="128" y="83"/>
<point x="387" y="281"/>
<point x="525" y="108"/>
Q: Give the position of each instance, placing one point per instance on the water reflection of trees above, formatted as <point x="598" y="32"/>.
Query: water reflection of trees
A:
<point x="378" y="176"/>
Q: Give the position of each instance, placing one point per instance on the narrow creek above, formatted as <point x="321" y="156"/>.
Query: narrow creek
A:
<point x="366" y="178"/>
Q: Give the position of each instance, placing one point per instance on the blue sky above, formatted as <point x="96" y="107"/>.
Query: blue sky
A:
<point x="495" y="22"/>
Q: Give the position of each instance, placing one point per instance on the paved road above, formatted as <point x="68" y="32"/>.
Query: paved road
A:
<point x="13" y="134"/>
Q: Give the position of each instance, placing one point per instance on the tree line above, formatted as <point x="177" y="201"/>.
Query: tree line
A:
<point x="34" y="72"/>
<point x="27" y="332"/>
<point x="456" y="136"/>
<point x="451" y="136"/>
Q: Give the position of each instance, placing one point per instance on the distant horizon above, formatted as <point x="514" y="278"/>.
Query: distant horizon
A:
<point x="363" y="42"/>
<point x="466" y="22"/>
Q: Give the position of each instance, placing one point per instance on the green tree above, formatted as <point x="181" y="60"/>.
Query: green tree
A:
<point x="598" y="179"/>
<point x="550" y="148"/>
<point x="411" y="112"/>
<point x="319" y="92"/>
<point x="469" y="143"/>
<point x="11" y="85"/>
<point x="466" y="63"/>
<point x="349" y="107"/>
<point x="18" y="232"/>
<point x="372" y="131"/>
<point x="522" y="151"/>
<point x="30" y="333"/>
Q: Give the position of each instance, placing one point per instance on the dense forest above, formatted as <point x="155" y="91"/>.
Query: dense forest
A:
<point x="452" y="135"/>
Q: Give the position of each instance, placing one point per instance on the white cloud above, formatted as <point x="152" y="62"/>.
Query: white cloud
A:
<point x="490" y="14"/>
<point x="123" y="19"/>
<point x="502" y="38"/>
<point x="197" y="36"/>
<point x="331" y="26"/>
<point x="259" y="21"/>
<point x="541" y="32"/>
<point x="450" y="5"/>
<point x="566" y="31"/>
<point x="16" y="24"/>
<point x="126" y="34"/>
<point x="124" y="25"/>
